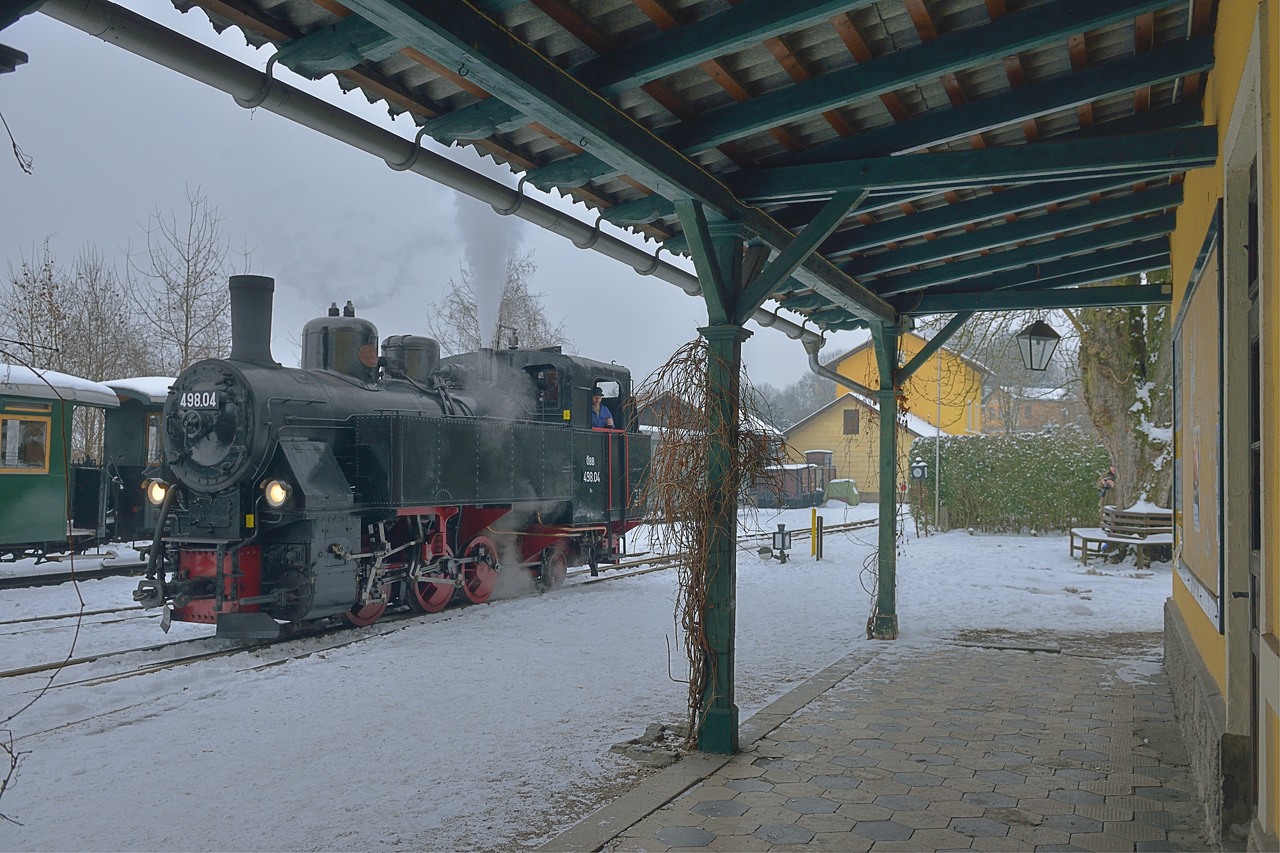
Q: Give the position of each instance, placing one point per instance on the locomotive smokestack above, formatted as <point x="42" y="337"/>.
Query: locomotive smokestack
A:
<point x="251" y="319"/>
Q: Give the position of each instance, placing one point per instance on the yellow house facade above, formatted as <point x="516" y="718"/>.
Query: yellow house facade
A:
<point x="946" y="391"/>
<point x="1222" y="621"/>
<point x="849" y="426"/>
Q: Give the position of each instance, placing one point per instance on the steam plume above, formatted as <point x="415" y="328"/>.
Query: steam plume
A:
<point x="488" y="240"/>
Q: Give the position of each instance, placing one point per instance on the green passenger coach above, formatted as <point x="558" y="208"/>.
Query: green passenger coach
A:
<point x="38" y="485"/>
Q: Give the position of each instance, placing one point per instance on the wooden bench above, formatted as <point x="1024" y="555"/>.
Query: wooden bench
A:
<point x="1130" y="528"/>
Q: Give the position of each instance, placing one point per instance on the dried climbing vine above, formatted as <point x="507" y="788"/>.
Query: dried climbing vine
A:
<point x="688" y="510"/>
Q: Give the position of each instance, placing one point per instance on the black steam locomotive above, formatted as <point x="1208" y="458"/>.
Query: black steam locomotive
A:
<point x="362" y="481"/>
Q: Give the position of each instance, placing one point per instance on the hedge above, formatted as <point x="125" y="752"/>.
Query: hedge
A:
<point x="1041" y="481"/>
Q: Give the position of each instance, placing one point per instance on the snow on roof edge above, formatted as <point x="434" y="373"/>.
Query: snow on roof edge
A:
<point x="145" y="389"/>
<point x="20" y="381"/>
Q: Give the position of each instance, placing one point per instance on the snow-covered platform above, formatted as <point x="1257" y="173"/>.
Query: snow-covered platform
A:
<point x="1007" y="742"/>
<point x="533" y="691"/>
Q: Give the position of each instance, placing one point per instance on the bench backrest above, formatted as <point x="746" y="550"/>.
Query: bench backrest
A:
<point x="1128" y="523"/>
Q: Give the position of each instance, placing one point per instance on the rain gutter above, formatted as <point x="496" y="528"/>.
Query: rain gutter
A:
<point x="253" y="89"/>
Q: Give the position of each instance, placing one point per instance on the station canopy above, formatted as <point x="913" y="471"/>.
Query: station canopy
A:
<point x="886" y="158"/>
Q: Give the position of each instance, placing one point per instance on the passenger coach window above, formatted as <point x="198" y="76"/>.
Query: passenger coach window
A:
<point x="24" y="444"/>
<point x="153" y="438"/>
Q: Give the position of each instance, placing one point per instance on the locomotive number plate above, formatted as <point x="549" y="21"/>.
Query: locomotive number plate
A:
<point x="199" y="400"/>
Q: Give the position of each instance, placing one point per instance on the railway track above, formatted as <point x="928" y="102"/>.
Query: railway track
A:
<point x="115" y="569"/>
<point x="388" y="624"/>
<point x="79" y="614"/>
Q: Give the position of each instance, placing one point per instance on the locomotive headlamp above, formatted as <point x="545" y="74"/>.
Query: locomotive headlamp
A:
<point x="276" y="492"/>
<point x="156" y="490"/>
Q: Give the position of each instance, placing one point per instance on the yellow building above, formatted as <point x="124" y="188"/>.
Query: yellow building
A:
<point x="946" y="391"/>
<point x="1222" y="652"/>
<point x="849" y="426"/>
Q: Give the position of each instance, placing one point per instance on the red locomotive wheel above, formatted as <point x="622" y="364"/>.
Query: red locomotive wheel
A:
<point x="367" y="614"/>
<point x="554" y="570"/>
<point x="361" y="615"/>
<point x="480" y="576"/>
<point x="427" y="597"/>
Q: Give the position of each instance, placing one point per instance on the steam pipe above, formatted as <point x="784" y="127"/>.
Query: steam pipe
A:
<point x="146" y="38"/>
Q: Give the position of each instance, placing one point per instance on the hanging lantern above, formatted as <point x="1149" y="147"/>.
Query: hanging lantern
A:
<point x="1037" y="343"/>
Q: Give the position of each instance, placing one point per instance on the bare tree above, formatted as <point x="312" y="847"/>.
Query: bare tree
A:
<point x="178" y="285"/>
<point x="454" y="320"/>
<point x="988" y="339"/>
<point x="35" y="315"/>
<point x="785" y="407"/>
<point x="75" y="322"/>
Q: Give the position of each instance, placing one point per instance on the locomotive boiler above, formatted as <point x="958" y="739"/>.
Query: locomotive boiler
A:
<point x="366" y="479"/>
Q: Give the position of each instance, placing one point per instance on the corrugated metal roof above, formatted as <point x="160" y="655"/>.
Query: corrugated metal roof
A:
<point x="730" y="97"/>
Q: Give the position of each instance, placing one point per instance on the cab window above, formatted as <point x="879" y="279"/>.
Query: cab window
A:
<point x="610" y="392"/>
<point x="24" y="444"/>
<point x="153" y="438"/>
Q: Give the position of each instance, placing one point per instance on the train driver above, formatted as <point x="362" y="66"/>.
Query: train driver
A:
<point x="600" y="414"/>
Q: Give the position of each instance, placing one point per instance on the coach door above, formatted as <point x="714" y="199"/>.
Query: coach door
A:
<point x="615" y="451"/>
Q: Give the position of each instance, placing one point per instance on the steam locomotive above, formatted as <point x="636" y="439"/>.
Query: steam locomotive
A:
<point x="363" y="481"/>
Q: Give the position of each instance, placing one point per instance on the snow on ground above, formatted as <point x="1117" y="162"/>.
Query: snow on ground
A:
<point x="483" y="727"/>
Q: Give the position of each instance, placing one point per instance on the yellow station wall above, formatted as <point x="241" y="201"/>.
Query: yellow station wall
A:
<point x="1237" y="23"/>
<point x="961" y="385"/>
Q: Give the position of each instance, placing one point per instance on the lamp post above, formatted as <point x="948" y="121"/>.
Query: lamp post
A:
<point x="1037" y="343"/>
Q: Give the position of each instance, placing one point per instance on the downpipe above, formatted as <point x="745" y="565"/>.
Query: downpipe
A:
<point x="811" y="346"/>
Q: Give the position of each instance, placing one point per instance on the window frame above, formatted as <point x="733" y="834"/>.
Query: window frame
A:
<point x="857" y="421"/>
<point x="47" y="420"/>
<point x="152" y="456"/>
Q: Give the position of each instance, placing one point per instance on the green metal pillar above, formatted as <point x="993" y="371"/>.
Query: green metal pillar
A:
<point x="718" y="726"/>
<point x="717" y="248"/>
<point x="884" y="625"/>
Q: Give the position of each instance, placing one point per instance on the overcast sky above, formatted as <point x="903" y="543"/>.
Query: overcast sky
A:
<point x="115" y="137"/>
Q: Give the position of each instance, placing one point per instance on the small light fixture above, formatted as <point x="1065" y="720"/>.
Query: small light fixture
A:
<point x="276" y="493"/>
<point x="782" y="542"/>
<point x="156" y="490"/>
<point x="1037" y="343"/>
<point x="781" y="545"/>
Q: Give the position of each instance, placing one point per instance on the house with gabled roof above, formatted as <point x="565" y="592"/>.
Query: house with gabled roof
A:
<point x="946" y="392"/>
<point x="1007" y="408"/>
<point x="849" y="427"/>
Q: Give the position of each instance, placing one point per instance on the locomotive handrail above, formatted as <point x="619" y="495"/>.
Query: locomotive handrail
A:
<point x="161" y="516"/>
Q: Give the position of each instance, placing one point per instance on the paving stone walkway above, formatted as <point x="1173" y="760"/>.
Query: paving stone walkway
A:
<point x="946" y="747"/>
